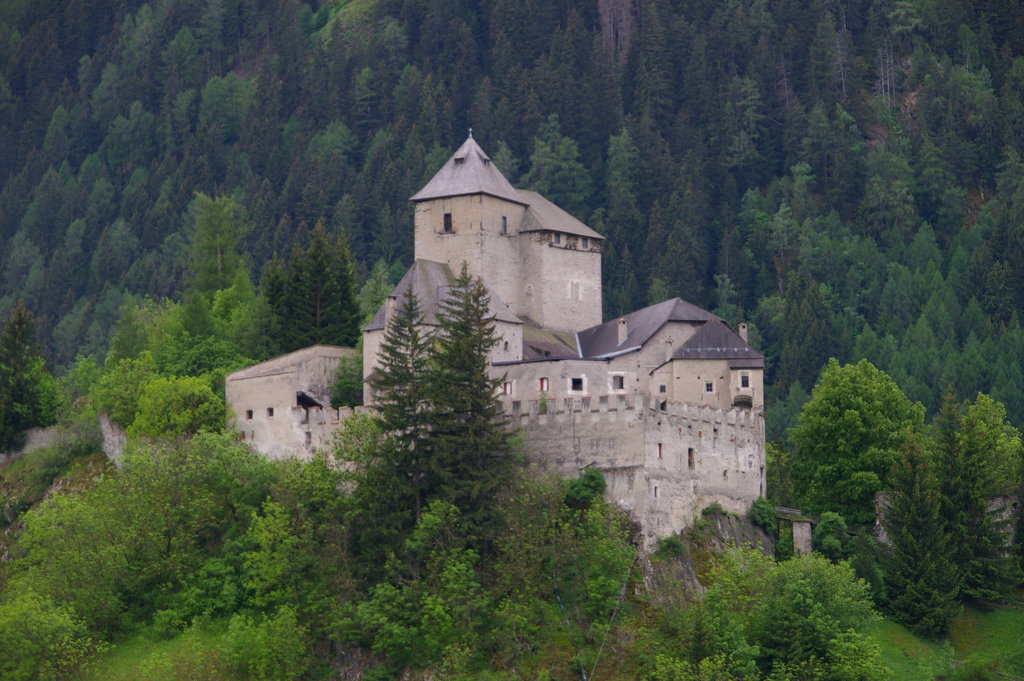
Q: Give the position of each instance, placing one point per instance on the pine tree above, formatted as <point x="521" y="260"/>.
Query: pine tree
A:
<point x="970" y="449"/>
<point x="28" y="395"/>
<point x="473" y="449"/>
<point x="924" y="581"/>
<point x="272" y="289"/>
<point x="402" y="398"/>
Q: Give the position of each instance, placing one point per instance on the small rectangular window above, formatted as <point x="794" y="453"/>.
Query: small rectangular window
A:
<point x="744" y="380"/>
<point x="659" y="450"/>
<point x="504" y="224"/>
<point x="618" y="382"/>
<point x="448" y="223"/>
<point x="270" y="411"/>
<point x="506" y="388"/>
<point x="543" y="385"/>
<point x="248" y="414"/>
<point x="585" y="242"/>
<point x="709" y="387"/>
<point x="661" y="388"/>
<point x="689" y="457"/>
<point x="576" y="385"/>
<point x="557" y="238"/>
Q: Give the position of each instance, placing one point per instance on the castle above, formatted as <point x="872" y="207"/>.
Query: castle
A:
<point x="667" y="401"/>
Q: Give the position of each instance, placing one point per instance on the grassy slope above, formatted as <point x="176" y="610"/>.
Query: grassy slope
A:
<point x="910" y="657"/>
<point x="993" y="640"/>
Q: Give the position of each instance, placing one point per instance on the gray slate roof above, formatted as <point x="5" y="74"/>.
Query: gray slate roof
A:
<point x="542" y="215"/>
<point x="603" y="339"/>
<point x="541" y="343"/>
<point x="432" y="282"/>
<point x="289" y="361"/>
<point x="715" y="340"/>
<point x="468" y="171"/>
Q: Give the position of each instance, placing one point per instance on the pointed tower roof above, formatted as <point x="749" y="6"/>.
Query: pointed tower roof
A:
<point x="468" y="171"/>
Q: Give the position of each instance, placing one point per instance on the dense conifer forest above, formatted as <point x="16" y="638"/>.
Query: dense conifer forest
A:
<point x="190" y="186"/>
<point x="844" y="175"/>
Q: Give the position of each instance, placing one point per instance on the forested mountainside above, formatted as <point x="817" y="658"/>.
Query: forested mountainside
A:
<point x="846" y="176"/>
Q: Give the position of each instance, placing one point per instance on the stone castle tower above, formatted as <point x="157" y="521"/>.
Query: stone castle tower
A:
<point x="667" y="401"/>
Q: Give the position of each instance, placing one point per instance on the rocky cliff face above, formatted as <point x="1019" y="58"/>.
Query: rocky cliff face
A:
<point x="680" y="567"/>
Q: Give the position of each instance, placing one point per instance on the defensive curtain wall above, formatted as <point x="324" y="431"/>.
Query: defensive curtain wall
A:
<point x="663" y="461"/>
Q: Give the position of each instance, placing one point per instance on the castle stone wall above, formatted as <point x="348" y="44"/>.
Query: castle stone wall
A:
<point x="262" y="398"/>
<point x="476" y="240"/>
<point x="562" y="281"/>
<point x="662" y="465"/>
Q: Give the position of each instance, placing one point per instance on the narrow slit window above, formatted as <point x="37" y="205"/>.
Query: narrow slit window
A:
<point x="689" y="458"/>
<point x="448" y="223"/>
<point x="504" y="224"/>
<point x="660" y="451"/>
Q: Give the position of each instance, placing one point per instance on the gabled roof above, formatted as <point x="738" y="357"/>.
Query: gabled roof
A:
<point x="541" y="343"/>
<point x="289" y="361"/>
<point x="603" y="339"/>
<point x="542" y="215"/>
<point x="432" y="283"/>
<point x="715" y="340"/>
<point x="468" y="171"/>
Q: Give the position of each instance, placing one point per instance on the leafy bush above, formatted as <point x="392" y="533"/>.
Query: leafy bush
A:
<point x="177" y="406"/>
<point x="762" y="514"/>
<point x="714" y="508"/>
<point x="585" y="489"/>
<point x="830" y="536"/>
<point x="671" y="546"/>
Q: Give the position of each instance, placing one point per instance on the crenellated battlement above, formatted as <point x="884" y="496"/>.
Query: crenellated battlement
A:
<point x="530" y="412"/>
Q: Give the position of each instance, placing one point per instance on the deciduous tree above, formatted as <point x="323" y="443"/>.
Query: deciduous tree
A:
<point x="848" y="436"/>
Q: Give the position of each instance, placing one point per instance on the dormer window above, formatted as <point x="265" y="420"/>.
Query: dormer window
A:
<point x="448" y="223"/>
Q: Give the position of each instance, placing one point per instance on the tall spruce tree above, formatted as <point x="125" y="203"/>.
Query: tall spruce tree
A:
<point x="28" y="394"/>
<point x="968" y="454"/>
<point x="273" y="288"/>
<point x="473" y="448"/>
<point x="923" y="580"/>
<point x="401" y="387"/>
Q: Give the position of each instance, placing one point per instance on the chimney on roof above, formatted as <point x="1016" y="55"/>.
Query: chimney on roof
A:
<point x="623" y="330"/>
<point x="743" y="331"/>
